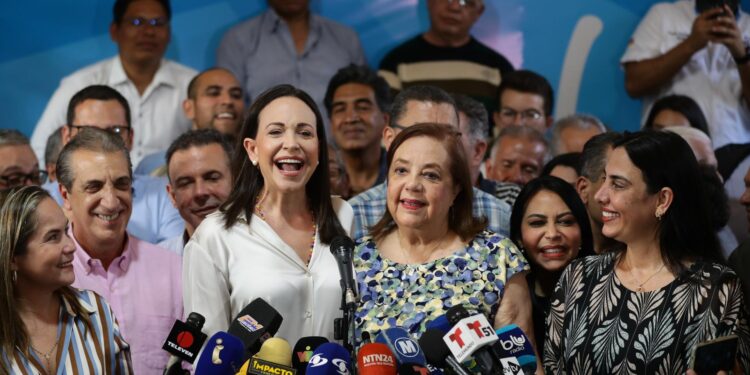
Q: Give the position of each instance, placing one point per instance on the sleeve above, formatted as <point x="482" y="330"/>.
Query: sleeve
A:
<point x="205" y="286"/>
<point x="53" y="117"/>
<point x="515" y="262"/>
<point x="645" y="42"/>
<point x="358" y="53"/>
<point x="231" y="54"/>
<point x="735" y="317"/>
<point x="170" y="222"/>
<point x="552" y="358"/>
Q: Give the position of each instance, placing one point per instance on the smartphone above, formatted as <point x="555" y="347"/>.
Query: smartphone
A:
<point x="711" y="356"/>
<point x="704" y="5"/>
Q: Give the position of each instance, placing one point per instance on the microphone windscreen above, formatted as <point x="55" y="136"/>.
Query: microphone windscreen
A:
<point x="276" y="350"/>
<point x="456" y="313"/>
<point x="303" y="351"/>
<point x="513" y="342"/>
<point x="403" y="347"/>
<point x="329" y="359"/>
<point x="254" y="324"/>
<point x="376" y="359"/>
<point x="440" y="323"/>
<point x="434" y="348"/>
<point x="222" y="355"/>
<point x="185" y="339"/>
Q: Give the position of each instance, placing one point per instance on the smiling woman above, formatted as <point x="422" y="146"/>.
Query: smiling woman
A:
<point x="48" y="325"/>
<point x="271" y="237"/>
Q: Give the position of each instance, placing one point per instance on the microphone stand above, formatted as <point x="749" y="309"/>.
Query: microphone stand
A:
<point x="343" y="328"/>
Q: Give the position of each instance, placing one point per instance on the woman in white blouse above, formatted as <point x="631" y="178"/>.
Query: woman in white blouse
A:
<point x="271" y="237"/>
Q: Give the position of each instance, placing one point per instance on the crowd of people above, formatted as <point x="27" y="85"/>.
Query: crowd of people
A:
<point x="159" y="194"/>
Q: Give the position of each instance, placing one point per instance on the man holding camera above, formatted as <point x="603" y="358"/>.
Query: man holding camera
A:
<point x="697" y="48"/>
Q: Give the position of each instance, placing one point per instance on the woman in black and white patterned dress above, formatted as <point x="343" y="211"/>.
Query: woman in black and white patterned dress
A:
<point x="644" y="308"/>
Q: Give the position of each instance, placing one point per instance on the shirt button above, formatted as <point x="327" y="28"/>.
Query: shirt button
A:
<point x="308" y="314"/>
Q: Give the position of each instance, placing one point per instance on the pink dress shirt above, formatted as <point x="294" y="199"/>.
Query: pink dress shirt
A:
<point x="144" y="288"/>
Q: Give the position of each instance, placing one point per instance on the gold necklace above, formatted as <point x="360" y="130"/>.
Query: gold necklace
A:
<point x="46" y="356"/>
<point x="640" y="286"/>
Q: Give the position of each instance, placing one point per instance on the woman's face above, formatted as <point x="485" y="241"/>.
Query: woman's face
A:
<point x="549" y="232"/>
<point x="48" y="261"/>
<point x="420" y="186"/>
<point x="286" y="146"/>
<point x="628" y="210"/>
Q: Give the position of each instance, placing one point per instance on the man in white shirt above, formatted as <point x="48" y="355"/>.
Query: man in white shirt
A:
<point x="154" y="87"/>
<point x="677" y="50"/>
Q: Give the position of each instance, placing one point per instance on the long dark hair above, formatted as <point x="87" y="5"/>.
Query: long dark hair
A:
<point x="460" y="217"/>
<point x="569" y="196"/>
<point x="248" y="181"/>
<point x="685" y="230"/>
<point x="685" y="105"/>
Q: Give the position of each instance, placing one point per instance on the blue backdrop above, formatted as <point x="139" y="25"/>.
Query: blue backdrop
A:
<point x="576" y="44"/>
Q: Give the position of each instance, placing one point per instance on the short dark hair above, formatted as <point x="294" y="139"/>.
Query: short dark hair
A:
<point x="248" y="181"/>
<point x="121" y="6"/>
<point x="682" y="104"/>
<point x="716" y="195"/>
<point x="460" y="219"/>
<point x="197" y="138"/>
<point x="476" y="113"/>
<point x="569" y="196"/>
<point x="359" y="74"/>
<point x="419" y="93"/>
<point x="685" y="230"/>
<point x="594" y="154"/>
<point x="571" y="159"/>
<point x="90" y="139"/>
<point x="527" y="81"/>
<point x="96" y="92"/>
<point x="53" y="147"/>
<point x="191" y="94"/>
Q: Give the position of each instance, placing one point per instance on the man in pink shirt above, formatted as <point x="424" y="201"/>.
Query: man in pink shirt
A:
<point x="141" y="281"/>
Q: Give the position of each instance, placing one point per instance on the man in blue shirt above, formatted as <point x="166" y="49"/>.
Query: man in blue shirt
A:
<point x="414" y="105"/>
<point x="153" y="219"/>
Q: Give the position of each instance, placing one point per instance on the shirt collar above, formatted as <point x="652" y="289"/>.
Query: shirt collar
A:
<point x="87" y="262"/>
<point x="67" y="305"/>
<point x="275" y="22"/>
<point x="163" y="75"/>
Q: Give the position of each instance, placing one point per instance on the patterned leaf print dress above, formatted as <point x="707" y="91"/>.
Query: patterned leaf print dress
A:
<point x="597" y="326"/>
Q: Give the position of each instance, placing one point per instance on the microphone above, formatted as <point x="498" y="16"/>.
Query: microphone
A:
<point x="440" y="323"/>
<point x="184" y="342"/>
<point x="273" y="358"/>
<point x="404" y="348"/>
<point x="437" y="352"/>
<point x="329" y="359"/>
<point x="222" y="355"/>
<point x="376" y="359"/>
<point x="303" y="351"/>
<point x="514" y="345"/>
<point x="342" y="248"/>
<point x="472" y="335"/>
<point x="254" y="324"/>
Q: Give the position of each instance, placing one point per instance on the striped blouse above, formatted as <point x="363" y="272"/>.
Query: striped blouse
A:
<point x="80" y="350"/>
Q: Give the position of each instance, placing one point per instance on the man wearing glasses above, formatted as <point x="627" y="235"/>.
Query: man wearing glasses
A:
<point x="153" y="86"/>
<point x="18" y="165"/>
<point x="153" y="218"/>
<point x="525" y="99"/>
<point x="447" y="56"/>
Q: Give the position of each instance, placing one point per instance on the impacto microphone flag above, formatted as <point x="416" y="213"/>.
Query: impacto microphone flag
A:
<point x="254" y="324"/>
<point x="304" y="350"/>
<point x="403" y="347"/>
<point x="329" y="359"/>
<point x="376" y="359"/>
<point x="222" y="355"/>
<point x="185" y="339"/>
<point x="273" y="358"/>
<point x="513" y="343"/>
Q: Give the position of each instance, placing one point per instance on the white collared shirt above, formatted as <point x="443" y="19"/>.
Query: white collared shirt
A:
<point x="156" y="116"/>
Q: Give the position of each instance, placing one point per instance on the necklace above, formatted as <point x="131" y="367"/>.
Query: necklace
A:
<point x="46" y="356"/>
<point x="640" y="286"/>
<point x="262" y="215"/>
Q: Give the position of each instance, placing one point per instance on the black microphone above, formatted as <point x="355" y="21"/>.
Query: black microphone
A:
<point x="254" y="324"/>
<point x="184" y="342"/>
<point x="437" y="352"/>
<point x="479" y="333"/>
<point x="342" y="248"/>
<point x="303" y="352"/>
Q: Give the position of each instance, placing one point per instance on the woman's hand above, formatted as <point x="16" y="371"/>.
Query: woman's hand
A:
<point x="515" y="308"/>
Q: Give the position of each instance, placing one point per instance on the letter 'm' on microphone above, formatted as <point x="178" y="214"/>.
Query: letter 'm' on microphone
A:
<point x="513" y="343"/>
<point x="403" y="347"/>
<point x="222" y="355"/>
<point x="376" y="359"/>
<point x="329" y="359"/>
<point x="186" y="339"/>
<point x="254" y="324"/>
<point x="304" y="350"/>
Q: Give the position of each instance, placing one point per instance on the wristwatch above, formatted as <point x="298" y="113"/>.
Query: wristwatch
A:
<point x="744" y="59"/>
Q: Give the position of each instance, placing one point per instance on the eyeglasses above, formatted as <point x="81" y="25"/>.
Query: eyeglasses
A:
<point x="114" y="129"/>
<point x="529" y="114"/>
<point x="18" y="179"/>
<point x="140" y="21"/>
<point x="465" y="3"/>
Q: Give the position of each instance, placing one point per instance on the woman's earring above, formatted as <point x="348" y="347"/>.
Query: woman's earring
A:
<point x="254" y="162"/>
<point x="659" y="214"/>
